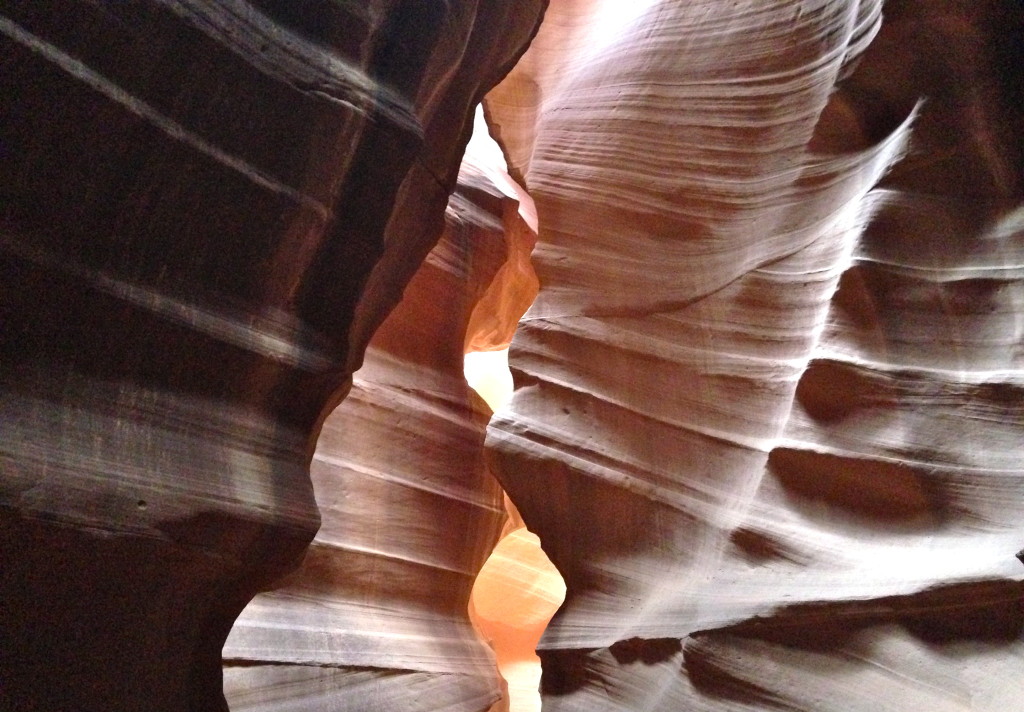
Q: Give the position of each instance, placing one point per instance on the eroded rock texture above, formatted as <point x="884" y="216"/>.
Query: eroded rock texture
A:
<point x="207" y="208"/>
<point x="376" y="618"/>
<point x="769" y="411"/>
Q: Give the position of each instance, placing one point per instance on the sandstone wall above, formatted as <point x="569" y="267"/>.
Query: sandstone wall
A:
<point x="768" y="417"/>
<point x="207" y="209"/>
<point x="377" y="616"/>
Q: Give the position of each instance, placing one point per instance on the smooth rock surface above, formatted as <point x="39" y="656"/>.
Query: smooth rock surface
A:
<point x="377" y="616"/>
<point x="769" y="415"/>
<point x="205" y="212"/>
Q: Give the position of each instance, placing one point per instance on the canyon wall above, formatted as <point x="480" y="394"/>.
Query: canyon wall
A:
<point x="769" y="416"/>
<point x="376" y="618"/>
<point x="207" y="209"/>
<point x="770" y="401"/>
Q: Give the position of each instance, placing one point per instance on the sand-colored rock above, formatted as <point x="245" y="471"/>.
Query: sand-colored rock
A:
<point x="768" y="417"/>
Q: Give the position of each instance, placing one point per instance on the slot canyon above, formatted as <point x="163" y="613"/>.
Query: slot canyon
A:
<point x="756" y="268"/>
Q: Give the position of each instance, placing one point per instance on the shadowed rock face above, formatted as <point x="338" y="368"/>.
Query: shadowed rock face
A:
<point x="206" y="209"/>
<point x="769" y="418"/>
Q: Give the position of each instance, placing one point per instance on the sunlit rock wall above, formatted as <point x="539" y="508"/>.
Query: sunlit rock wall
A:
<point x="769" y="417"/>
<point x="377" y="616"/>
<point x="206" y="208"/>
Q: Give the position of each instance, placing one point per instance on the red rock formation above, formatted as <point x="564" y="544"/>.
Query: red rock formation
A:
<point x="768" y="417"/>
<point x="770" y="402"/>
<point x="377" y="616"/>
<point x="207" y="209"/>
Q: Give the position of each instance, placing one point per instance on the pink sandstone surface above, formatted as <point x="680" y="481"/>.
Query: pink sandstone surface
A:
<point x="769" y="421"/>
<point x="377" y="618"/>
<point x="769" y="411"/>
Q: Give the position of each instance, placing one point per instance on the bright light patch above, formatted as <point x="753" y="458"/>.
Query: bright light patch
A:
<point x="515" y="595"/>
<point x="612" y="19"/>
<point x="518" y="589"/>
<point x="487" y="373"/>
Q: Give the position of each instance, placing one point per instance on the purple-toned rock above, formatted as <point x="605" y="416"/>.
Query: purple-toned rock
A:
<point x="204" y="215"/>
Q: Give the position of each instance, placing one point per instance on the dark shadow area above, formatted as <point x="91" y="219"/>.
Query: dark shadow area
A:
<point x="711" y="677"/>
<point x="646" y="651"/>
<point x="565" y="671"/>
<point x="990" y="611"/>
<point x="869" y="492"/>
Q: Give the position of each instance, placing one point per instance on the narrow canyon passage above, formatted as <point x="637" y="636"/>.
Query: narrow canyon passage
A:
<point x="207" y="208"/>
<point x="518" y="589"/>
<point x="377" y="617"/>
<point x="755" y="268"/>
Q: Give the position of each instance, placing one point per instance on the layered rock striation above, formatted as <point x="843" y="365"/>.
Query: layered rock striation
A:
<point x="376" y="618"/>
<point x="769" y="407"/>
<point x="207" y="209"/>
<point x="768" y="417"/>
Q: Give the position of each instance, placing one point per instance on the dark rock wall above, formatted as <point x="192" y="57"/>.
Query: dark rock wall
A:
<point x="201" y="223"/>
